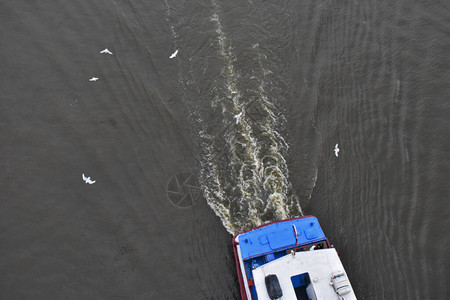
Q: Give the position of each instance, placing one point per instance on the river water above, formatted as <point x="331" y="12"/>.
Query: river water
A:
<point x="238" y="129"/>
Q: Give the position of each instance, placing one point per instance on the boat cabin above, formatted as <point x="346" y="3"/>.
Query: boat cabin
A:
<point x="289" y="260"/>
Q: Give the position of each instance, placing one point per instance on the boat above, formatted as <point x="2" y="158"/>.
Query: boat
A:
<point x="287" y="260"/>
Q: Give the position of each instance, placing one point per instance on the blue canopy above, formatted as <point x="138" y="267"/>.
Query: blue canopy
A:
<point x="279" y="235"/>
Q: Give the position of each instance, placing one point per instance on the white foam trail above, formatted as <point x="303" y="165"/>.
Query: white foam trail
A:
<point x="243" y="173"/>
<point x="264" y="190"/>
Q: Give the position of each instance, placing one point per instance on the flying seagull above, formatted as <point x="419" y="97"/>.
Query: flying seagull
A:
<point x="87" y="179"/>
<point x="336" y="150"/>
<point x="93" y="79"/>
<point x="174" y="54"/>
<point x="106" y="51"/>
<point x="238" y="117"/>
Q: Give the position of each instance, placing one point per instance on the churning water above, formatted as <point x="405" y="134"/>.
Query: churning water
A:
<point x="243" y="171"/>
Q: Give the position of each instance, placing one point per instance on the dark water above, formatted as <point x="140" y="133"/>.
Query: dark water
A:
<point x="237" y="130"/>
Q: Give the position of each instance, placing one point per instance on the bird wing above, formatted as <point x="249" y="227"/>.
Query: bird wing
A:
<point x="84" y="177"/>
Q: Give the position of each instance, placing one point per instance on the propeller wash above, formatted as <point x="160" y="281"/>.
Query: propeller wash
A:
<point x="243" y="172"/>
<point x="244" y="175"/>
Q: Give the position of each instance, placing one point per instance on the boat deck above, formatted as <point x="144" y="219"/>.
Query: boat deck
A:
<point x="319" y="264"/>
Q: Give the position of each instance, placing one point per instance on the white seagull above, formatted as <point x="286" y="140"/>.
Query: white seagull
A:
<point x="238" y="117"/>
<point x="336" y="150"/>
<point x="93" y="79"/>
<point x="87" y="179"/>
<point x="106" y="51"/>
<point x="174" y="54"/>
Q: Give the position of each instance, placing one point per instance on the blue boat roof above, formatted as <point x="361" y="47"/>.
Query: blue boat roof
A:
<point x="278" y="236"/>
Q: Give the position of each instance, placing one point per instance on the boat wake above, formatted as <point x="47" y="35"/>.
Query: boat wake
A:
<point x="243" y="172"/>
